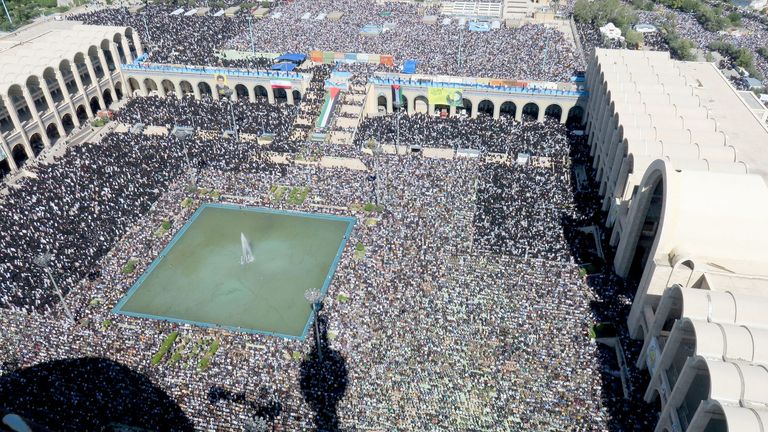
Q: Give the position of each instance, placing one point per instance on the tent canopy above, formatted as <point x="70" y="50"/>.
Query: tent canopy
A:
<point x="409" y="66"/>
<point x="285" y="67"/>
<point x="292" y="57"/>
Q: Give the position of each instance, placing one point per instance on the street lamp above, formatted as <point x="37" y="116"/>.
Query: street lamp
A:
<point x="43" y="262"/>
<point x="315" y="298"/>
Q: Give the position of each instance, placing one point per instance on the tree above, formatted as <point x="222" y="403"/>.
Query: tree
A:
<point x="734" y="18"/>
<point x="633" y="38"/>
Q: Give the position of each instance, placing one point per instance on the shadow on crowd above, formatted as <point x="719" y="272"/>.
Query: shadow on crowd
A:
<point x="613" y="297"/>
<point x="264" y="405"/>
<point x="323" y="380"/>
<point x="88" y="394"/>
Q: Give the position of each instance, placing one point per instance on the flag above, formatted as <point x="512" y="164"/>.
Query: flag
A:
<point x="397" y="96"/>
<point x="281" y="84"/>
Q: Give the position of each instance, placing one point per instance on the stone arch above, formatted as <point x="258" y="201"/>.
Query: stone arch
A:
<point x="575" y="115"/>
<point x="296" y="96"/>
<point x="261" y="92"/>
<point x="82" y="70"/>
<point x="107" y="96"/>
<point x="404" y="104"/>
<point x="242" y="92"/>
<point x="52" y="131"/>
<point x="93" y="55"/>
<point x="5" y="168"/>
<point x="205" y="89"/>
<point x="94" y="104"/>
<point x="36" y="142"/>
<point x="19" y="155"/>
<point x="485" y="107"/>
<point x="553" y="111"/>
<point x="82" y="114"/>
<point x="381" y="102"/>
<point x="186" y="88"/>
<point x="150" y="85"/>
<point x="6" y="125"/>
<point x="133" y="84"/>
<point x="67" y="74"/>
<point x="280" y="95"/>
<point x="118" y="40"/>
<point x="466" y="104"/>
<point x="17" y="102"/>
<point x="129" y="40"/>
<point x="530" y="111"/>
<point x="38" y="98"/>
<point x="66" y="121"/>
<point x="508" y="109"/>
<point x="119" y="90"/>
<point x="168" y="87"/>
<point x="107" y="53"/>
<point x="421" y="104"/>
<point x="49" y="76"/>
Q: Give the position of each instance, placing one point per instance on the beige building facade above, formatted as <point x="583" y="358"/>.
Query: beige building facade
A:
<point x="680" y="157"/>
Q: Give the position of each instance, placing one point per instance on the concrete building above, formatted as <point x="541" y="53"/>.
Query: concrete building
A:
<point x="561" y="101"/>
<point x="41" y="98"/>
<point x="681" y="160"/>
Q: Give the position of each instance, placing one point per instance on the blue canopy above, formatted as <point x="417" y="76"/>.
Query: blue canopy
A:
<point x="409" y="66"/>
<point x="297" y="58"/>
<point x="285" y="67"/>
<point x="480" y="26"/>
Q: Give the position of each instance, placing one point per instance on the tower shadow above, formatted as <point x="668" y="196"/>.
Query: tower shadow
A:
<point x="324" y="382"/>
<point x="88" y="394"/>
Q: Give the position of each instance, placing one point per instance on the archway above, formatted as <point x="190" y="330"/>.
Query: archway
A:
<point x="82" y="114"/>
<point x="107" y="53"/>
<point x="168" y="87"/>
<point x="118" y="40"/>
<point x="107" y="95"/>
<point x="17" y="100"/>
<point x="575" y="116"/>
<point x="205" y="89"/>
<point x="466" y="107"/>
<point x="530" y="112"/>
<point x="93" y="56"/>
<point x="82" y="70"/>
<point x="67" y="122"/>
<point x="280" y="96"/>
<point x="36" y="142"/>
<point x="49" y="76"/>
<point x="133" y="84"/>
<point x="508" y="109"/>
<point x="242" y="92"/>
<point x="442" y="110"/>
<point x="119" y="90"/>
<point x="129" y="40"/>
<point x="381" y="104"/>
<point x="261" y="93"/>
<point x="52" y="132"/>
<point x="485" y="107"/>
<point x="150" y="85"/>
<point x="421" y="104"/>
<point x="38" y="98"/>
<point x="5" y="168"/>
<point x="554" y="112"/>
<point x="296" y="97"/>
<point x="648" y="229"/>
<point x="67" y="74"/>
<point x="94" y="104"/>
<point x="19" y="155"/>
<point x="186" y="88"/>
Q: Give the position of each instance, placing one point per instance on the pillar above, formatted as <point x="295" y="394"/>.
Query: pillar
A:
<point x="411" y="104"/>
<point x="564" y="115"/>
<point x="8" y="155"/>
<point x="270" y="94"/>
<point x="11" y="107"/>
<point x="289" y="96"/>
<point x="137" y="43"/>
<point x="82" y="91"/>
<point x="49" y="100"/>
<point x="519" y="112"/>
<point x="497" y="110"/>
<point x="67" y="98"/>
<point x="196" y="91"/>
<point x="118" y="69"/>
<point x="35" y="115"/>
<point x="251" y="94"/>
<point x="390" y="106"/>
<point x="451" y="110"/>
<point x="95" y="79"/>
<point x="126" y="50"/>
<point x="214" y="92"/>
<point x="540" y="116"/>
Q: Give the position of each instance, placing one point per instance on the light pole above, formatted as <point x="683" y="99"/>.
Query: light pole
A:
<point x="43" y="262"/>
<point x="6" y="12"/>
<point x="250" y="28"/>
<point x="315" y="298"/>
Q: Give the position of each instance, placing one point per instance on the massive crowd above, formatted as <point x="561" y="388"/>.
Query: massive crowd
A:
<point x="533" y="51"/>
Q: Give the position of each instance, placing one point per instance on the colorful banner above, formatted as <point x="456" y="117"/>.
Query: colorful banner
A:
<point x="325" y="113"/>
<point x="281" y="84"/>
<point x="445" y="96"/>
<point x="222" y="86"/>
<point x="397" y="96"/>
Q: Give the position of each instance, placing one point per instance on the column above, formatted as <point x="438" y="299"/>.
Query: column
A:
<point x="497" y="110"/>
<point x="196" y="91"/>
<point x="137" y="43"/>
<point x="143" y="87"/>
<point x="270" y="94"/>
<point x="251" y="94"/>
<point x="49" y="100"/>
<point x="65" y="92"/>
<point x="11" y="107"/>
<point x="540" y="116"/>
<point x="519" y="111"/>
<point x="451" y="110"/>
<point x="118" y="68"/>
<point x="35" y="115"/>
<point x="214" y="92"/>
<point x="107" y="75"/>
<point x="8" y="155"/>
<point x="390" y="107"/>
<point x="289" y="96"/>
<point x="411" y="104"/>
<point x="81" y="89"/>
<point x="95" y="79"/>
<point x="564" y="115"/>
<point x="126" y="50"/>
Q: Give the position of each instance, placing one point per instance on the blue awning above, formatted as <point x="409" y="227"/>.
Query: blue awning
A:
<point x="289" y="57"/>
<point x="285" y="67"/>
<point x="409" y="66"/>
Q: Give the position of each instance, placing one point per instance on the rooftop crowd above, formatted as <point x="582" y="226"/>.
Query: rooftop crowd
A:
<point x="532" y="51"/>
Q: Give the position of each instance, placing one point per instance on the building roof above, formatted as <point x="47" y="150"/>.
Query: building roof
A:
<point x="31" y="50"/>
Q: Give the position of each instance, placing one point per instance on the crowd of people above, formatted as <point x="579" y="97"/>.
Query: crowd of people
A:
<point x="533" y="51"/>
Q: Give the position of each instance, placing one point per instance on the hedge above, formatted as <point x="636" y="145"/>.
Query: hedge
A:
<point x="206" y="360"/>
<point x="167" y="344"/>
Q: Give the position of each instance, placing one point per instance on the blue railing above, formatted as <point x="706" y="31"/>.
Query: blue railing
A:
<point x="211" y="71"/>
<point x="476" y="86"/>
